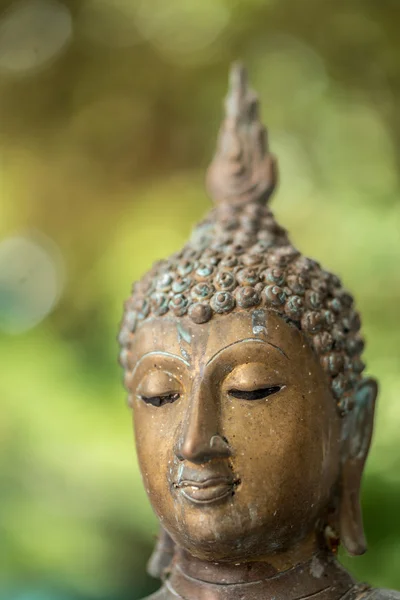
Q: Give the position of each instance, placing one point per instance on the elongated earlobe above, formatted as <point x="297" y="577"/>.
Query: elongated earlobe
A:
<point x="162" y="555"/>
<point x="357" y="434"/>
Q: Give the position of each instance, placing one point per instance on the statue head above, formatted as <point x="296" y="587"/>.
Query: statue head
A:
<point x="243" y="367"/>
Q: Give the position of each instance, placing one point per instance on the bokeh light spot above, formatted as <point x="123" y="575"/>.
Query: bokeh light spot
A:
<point x="31" y="281"/>
<point x="33" y="33"/>
<point x="289" y="75"/>
<point x="109" y="23"/>
<point x="185" y="32"/>
<point x="354" y="150"/>
<point x="296" y="182"/>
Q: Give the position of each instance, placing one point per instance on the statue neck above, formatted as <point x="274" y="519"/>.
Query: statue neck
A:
<point x="320" y="577"/>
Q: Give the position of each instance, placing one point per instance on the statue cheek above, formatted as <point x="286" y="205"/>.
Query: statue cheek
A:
<point x="154" y="472"/>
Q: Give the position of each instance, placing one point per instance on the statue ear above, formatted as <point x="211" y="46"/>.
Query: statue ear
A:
<point x="162" y="555"/>
<point x="357" y="434"/>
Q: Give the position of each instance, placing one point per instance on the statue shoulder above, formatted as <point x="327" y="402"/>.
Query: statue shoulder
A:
<point x="381" y="594"/>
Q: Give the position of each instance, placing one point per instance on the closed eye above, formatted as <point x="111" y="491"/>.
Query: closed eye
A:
<point x="255" y="394"/>
<point x="160" y="400"/>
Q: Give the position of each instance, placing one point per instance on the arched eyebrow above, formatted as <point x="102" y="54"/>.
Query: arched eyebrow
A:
<point x="159" y="353"/>
<point x="257" y="340"/>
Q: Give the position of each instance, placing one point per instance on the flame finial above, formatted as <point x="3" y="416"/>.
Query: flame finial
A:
<point x="243" y="170"/>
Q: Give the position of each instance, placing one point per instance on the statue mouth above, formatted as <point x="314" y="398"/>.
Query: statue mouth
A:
<point x="202" y="487"/>
<point x="208" y="491"/>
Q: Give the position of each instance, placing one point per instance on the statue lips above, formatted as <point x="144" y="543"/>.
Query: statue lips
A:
<point x="206" y="486"/>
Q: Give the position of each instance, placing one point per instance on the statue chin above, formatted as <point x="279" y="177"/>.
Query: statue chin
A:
<point x="233" y="537"/>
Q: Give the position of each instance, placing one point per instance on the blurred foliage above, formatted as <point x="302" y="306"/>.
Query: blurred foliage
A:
<point x="108" y="116"/>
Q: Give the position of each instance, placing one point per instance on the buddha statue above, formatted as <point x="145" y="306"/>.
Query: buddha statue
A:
<point x="252" y="417"/>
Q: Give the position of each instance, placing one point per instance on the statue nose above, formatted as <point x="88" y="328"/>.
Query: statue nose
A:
<point x="199" y="451"/>
<point x="199" y="440"/>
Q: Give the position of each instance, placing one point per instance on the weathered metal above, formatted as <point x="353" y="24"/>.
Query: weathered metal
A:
<point x="252" y="417"/>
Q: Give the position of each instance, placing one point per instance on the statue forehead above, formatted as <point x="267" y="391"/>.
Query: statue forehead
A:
<point x="184" y="338"/>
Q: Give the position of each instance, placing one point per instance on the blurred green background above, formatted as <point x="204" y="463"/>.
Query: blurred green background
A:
<point x="109" y="111"/>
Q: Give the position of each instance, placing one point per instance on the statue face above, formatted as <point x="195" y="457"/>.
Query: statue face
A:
<point x="238" y="436"/>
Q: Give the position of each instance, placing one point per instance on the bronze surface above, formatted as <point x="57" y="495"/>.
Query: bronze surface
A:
<point x="252" y="418"/>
